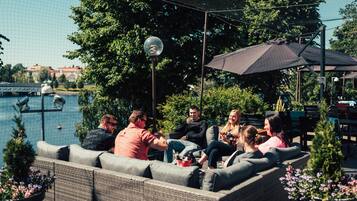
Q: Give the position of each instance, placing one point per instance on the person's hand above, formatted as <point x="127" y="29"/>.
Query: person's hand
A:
<point x="184" y="137"/>
<point x="223" y="136"/>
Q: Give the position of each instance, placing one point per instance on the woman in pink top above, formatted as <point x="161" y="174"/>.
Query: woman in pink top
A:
<point x="273" y="126"/>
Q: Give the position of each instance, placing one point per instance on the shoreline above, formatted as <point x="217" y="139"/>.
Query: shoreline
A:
<point x="67" y="92"/>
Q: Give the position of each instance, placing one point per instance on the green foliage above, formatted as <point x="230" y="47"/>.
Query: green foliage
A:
<point x="80" y="84"/>
<point x="346" y="35"/>
<point x="55" y="83"/>
<point x="2" y="37"/>
<point x="18" y="152"/>
<point x="44" y="75"/>
<point x="62" y="78"/>
<point x="67" y="84"/>
<point x="326" y="154"/>
<point x="217" y="104"/>
<point x="279" y="107"/>
<point x="93" y="105"/>
<point x="73" y="85"/>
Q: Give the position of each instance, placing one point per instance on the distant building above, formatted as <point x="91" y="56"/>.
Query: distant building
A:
<point x="71" y="73"/>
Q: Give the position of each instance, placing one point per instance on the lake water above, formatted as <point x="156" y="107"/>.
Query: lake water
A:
<point x="69" y="116"/>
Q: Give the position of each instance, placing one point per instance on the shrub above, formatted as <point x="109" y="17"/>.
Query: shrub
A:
<point x="93" y="105"/>
<point x="326" y="154"/>
<point x="217" y="104"/>
<point x="18" y="152"/>
<point x="17" y="179"/>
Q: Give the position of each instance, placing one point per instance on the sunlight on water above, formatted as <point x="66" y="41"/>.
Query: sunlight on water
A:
<point x="65" y="119"/>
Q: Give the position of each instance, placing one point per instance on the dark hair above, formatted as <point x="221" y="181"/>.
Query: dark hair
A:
<point x="136" y="115"/>
<point x="277" y="127"/>
<point x="194" y="107"/>
<point x="107" y="118"/>
<point x="275" y="123"/>
<point x="250" y="134"/>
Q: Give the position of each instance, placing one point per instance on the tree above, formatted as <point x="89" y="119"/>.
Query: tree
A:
<point x="67" y="84"/>
<point x="62" y="78"/>
<point x="44" y="75"/>
<point x="2" y="37"/>
<point x="80" y="84"/>
<point x="113" y="46"/>
<point x="73" y="85"/>
<point x="111" y="35"/>
<point x="346" y="34"/>
<point x="6" y="74"/>
<point x="18" y="73"/>
<point x="326" y="154"/>
<point x="55" y="83"/>
<point x="18" y="153"/>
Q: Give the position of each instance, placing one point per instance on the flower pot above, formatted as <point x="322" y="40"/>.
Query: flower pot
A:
<point x="39" y="196"/>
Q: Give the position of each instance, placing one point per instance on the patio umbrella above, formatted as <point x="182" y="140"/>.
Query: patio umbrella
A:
<point x="352" y="75"/>
<point x="276" y="55"/>
<point x="331" y="68"/>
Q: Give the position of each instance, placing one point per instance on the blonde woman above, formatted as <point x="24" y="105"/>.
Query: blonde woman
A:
<point x="227" y="141"/>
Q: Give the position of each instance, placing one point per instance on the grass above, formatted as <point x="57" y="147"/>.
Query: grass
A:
<point x="61" y="88"/>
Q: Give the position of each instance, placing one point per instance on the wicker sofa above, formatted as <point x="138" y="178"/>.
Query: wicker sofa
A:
<point x="91" y="175"/>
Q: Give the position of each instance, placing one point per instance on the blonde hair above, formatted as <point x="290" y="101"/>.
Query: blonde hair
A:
<point x="229" y="126"/>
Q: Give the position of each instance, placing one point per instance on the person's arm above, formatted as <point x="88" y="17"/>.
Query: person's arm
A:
<point x="179" y="131"/>
<point x="159" y="144"/>
<point x="200" y="134"/>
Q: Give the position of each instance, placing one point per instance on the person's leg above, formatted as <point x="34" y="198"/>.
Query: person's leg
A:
<point x="221" y="149"/>
<point x="173" y="145"/>
<point x="188" y="146"/>
<point x="213" y="158"/>
<point x="207" y="151"/>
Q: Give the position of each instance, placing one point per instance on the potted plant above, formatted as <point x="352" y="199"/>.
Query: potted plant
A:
<point x="323" y="178"/>
<point x="18" y="181"/>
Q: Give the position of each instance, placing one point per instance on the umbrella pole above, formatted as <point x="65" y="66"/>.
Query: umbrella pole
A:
<point x="322" y="62"/>
<point x="203" y="59"/>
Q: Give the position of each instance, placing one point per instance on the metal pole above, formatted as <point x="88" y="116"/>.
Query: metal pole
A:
<point x="343" y="85"/>
<point x="203" y="59"/>
<point x="332" y="91"/>
<point x="322" y="61"/>
<point x="153" y="92"/>
<point x="43" y="117"/>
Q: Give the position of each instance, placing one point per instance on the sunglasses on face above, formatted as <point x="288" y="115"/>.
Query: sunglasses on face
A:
<point x="113" y="123"/>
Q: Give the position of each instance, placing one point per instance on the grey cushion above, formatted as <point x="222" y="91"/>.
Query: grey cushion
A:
<point x="260" y="164"/>
<point x="83" y="156"/>
<point x="288" y="153"/>
<point x="212" y="134"/>
<point x="52" y="151"/>
<point x="167" y="172"/>
<point x="226" y="178"/>
<point x="273" y="156"/>
<point x="125" y="165"/>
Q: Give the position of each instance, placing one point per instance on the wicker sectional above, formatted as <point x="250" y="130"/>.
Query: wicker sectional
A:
<point x="83" y="182"/>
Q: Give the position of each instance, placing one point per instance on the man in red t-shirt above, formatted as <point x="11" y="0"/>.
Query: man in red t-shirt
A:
<point x="134" y="141"/>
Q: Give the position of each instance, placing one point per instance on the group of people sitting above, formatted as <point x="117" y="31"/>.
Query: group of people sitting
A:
<point x="233" y="139"/>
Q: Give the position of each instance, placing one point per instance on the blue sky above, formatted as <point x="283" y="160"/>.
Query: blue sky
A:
<point x="38" y="30"/>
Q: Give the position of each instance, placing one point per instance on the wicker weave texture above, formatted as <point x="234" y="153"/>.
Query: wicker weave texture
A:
<point x="73" y="182"/>
<point x="110" y="185"/>
<point x="162" y="191"/>
<point x="45" y="166"/>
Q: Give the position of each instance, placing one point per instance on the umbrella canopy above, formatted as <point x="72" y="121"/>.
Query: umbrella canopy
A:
<point x="275" y="55"/>
<point x="332" y="68"/>
<point x="350" y="76"/>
